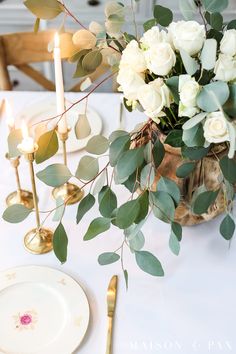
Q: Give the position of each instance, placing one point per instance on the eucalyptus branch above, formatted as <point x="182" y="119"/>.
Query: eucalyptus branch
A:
<point x="68" y="12"/>
<point x="134" y="18"/>
<point x="202" y="16"/>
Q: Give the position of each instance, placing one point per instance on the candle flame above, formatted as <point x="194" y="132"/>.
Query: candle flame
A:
<point x="24" y="130"/>
<point x="9" y="114"/>
<point x="57" y="40"/>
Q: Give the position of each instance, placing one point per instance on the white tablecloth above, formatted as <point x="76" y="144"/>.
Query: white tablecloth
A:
<point x="191" y="310"/>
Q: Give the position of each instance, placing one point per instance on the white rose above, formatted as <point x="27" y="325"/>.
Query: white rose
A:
<point x="133" y="57"/>
<point x="130" y="82"/>
<point x="188" y="91"/>
<point x="188" y="35"/>
<point x="216" y="128"/>
<point x="160" y="59"/>
<point x="225" y="68"/>
<point x="152" y="37"/>
<point x="228" y="43"/>
<point x="154" y="97"/>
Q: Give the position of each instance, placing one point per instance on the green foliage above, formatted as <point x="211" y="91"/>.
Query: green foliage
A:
<point x="55" y="175"/>
<point x="163" y="15"/>
<point x="88" y="168"/>
<point x="143" y="201"/>
<point x="176" y="228"/>
<point x="13" y="140"/>
<point x="16" y="213"/>
<point x="215" y="34"/>
<point x="230" y="105"/>
<point x="194" y="121"/>
<point x="231" y="25"/>
<point x="92" y="60"/>
<point x="117" y="147"/>
<point x="149" y="24"/>
<point x="60" y="209"/>
<point x="149" y="263"/>
<point x="147" y="176"/>
<point x="127" y="214"/>
<point x="163" y="206"/>
<point x="194" y="153"/>
<point x="97" y="145"/>
<point x="47" y="146"/>
<point x="215" y="5"/>
<point x="108" y="202"/>
<point x="158" y="153"/>
<point x="60" y="243"/>
<point x="117" y="134"/>
<point x="129" y="37"/>
<point x="44" y="9"/>
<point x="185" y="169"/>
<point x="228" y="168"/>
<point x="80" y="69"/>
<point x="188" y="9"/>
<point x="212" y="95"/>
<point x="215" y="20"/>
<point x="174" y="138"/>
<point x="190" y="64"/>
<point x="174" y="244"/>
<point x="203" y="201"/>
<point x="84" y="206"/>
<point x="100" y="182"/>
<point x="108" y="258"/>
<point x="97" y="226"/>
<point x="208" y="55"/>
<point x="173" y="84"/>
<point x="129" y="161"/>
<point x="167" y="185"/>
<point x="227" y="227"/>
<point x="194" y="136"/>
<point x="136" y="241"/>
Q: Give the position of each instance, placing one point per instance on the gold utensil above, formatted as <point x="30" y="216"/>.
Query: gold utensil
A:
<point x="111" y="305"/>
<point x="2" y="104"/>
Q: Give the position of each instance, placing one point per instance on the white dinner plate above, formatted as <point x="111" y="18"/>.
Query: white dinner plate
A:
<point x="42" y="311"/>
<point x="45" y="109"/>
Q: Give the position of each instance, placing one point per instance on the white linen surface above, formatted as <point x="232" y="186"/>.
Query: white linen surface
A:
<point x="191" y="310"/>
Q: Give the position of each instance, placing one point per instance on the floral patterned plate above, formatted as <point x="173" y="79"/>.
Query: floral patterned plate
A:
<point x="42" y="311"/>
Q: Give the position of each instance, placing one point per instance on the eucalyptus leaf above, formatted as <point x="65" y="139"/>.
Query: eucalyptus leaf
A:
<point x="185" y="169"/>
<point x="227" y="227"/>
<point x="215" y="5"/>
<point x="84" y="206"/>
<point x="60" y="243"/>
<point x="230" y="105"/>
<point x="188" y="9"/>
<point x="228" y="168"/>
<point x="194" y="121"/>
<point x="44" y="9"/>
<point x="117" y="134"/>
<point x="163" y="15"/>
<point x="78" y="55"/>
<point x="92" y="60"/>
<point x="88" y="168"/>
<point x="126" y="276"/>
<point x="97" y="226"/>
<point x="127" y="213"/>
<point x="60" y="209"/>
<point x="158" y="153"/>
<point x="232" y="139"/>
<point x="108" y="258"/>
<point x="216" y="21"/>
<point x="163" y="206"/>
<point x="190" y="64"/>
<point x="129" y="161"/>
<point x="173" y="84"/>
<point x="149" y="263"/>
<point x="13" y="140"/>
<point x="97" y="145"/>
<point x="174" y="244"/>
<point x="231" y="25"/>
<point x="174" y="138"/>
<point x="143" y="201"/>
<point x="100" y="181"/>
<point x="147" y="176"/>
<point x="208" y="55"/>
<point x="176" y="228"/>
<point x="82" y="127"/>
<point x="117" y="147"/>
<point x="194" y="153"/>
<point x="47" y="146"/>
<point x="16" y="213"/>
<point x="149" y="24"/>
<point x="55" y="175"/>
<point x="137" y="241"/>
<point x="167" y="185"/>
<point x="194" y="136"/>
<point x="204" y="201"/>
<point x="107" y="203"/>
<point x="205" y="99"/>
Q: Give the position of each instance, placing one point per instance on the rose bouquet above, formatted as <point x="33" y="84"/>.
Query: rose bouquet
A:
<point x="180" y="161"/>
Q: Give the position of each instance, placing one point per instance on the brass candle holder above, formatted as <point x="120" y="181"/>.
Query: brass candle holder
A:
<point x="38" y="240"/>
<point x="20" y="196"/>
<point x="69" y="192"/>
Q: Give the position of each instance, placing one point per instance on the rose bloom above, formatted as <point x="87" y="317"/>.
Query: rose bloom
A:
<point x="225" y="68"/>
<point x="154" y="97"/>
<point x="153" y="36"/>
<point x="188" y="35"/>
<point x="160" y="59"/>
<point x="133" y="57"/>
<point x="216" y="128"/>
<point x="130" y="82"/>
<point x="188" y="90"/>
<point x="228" y="43"/>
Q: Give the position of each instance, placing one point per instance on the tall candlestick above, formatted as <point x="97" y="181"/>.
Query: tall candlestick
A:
<point x="9" y="114"/>
<point x="62" y="124"/>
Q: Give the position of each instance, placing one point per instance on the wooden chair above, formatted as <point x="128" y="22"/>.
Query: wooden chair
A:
<point x="21" y="49"/>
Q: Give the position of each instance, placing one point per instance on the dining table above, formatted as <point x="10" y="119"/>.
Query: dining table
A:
<point x="189" y="310"/>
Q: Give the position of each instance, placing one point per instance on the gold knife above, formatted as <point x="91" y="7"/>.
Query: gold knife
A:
<point x="111" y="306"/>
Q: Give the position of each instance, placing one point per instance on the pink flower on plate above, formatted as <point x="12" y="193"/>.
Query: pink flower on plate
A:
<point x="26" y="320"/>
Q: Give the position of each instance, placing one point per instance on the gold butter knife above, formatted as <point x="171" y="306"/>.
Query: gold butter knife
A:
<point x="111" y="306"/>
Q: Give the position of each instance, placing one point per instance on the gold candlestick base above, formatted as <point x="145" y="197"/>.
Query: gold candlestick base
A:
<point x="21" y="197"/>
<point x="69" y="192"/>
<point x="39" y="241"/>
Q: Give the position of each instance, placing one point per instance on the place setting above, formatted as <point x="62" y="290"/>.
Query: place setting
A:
<point x="136" y="165"/>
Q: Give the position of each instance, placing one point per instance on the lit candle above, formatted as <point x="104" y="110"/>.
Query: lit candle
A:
<point x="9" y="114"/>
<point x="27" y="145"/>
<point x="62" y="125"/>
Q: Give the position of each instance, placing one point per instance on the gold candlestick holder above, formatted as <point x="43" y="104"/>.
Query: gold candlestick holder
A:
<point x="20" y="196"/>
<point x="38" y="240"/>
<point x="69" y="192"/>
